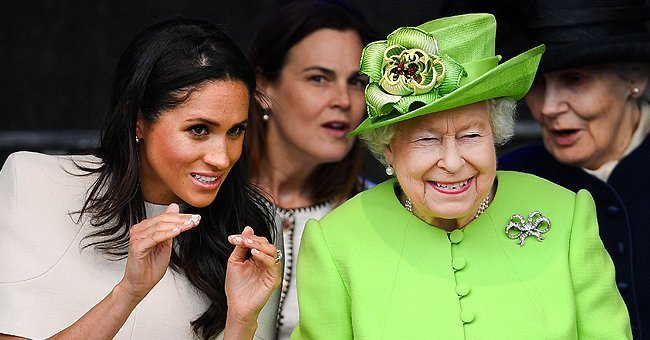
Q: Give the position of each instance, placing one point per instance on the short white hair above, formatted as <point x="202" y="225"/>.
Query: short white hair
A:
<point x="502" y="120"/>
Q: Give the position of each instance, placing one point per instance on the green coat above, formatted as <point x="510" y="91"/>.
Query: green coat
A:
<point x="372" y="270"/>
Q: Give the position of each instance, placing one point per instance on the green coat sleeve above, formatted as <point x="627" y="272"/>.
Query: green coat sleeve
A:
<point x="600" y="310"/>
<point x="322" y="296"/>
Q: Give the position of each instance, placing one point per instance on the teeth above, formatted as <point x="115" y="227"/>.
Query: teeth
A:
<point x="204" y="178"/>
<point x="452" y="186"/>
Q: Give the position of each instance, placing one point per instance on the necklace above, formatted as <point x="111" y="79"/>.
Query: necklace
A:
<point x="484" y="204"/>
<point x="408" y="205"/>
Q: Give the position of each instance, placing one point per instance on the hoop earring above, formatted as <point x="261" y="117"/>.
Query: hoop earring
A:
<point x="389" y="170"/>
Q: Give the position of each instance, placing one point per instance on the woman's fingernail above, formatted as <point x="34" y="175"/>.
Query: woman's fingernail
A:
<point x="175" y="229"/>
<point x="255" y="251"/>
<point x="237" y="239"/>
<point x="249" y="241"/>
<point x="194" y="219"/>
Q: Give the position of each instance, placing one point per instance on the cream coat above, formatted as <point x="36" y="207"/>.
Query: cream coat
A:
<point x="47" y="281"/>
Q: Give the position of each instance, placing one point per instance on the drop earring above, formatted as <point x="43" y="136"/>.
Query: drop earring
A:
<point x="266" y="116"/>
<point x="389" y="170"/>
<point x="137" y="139"/>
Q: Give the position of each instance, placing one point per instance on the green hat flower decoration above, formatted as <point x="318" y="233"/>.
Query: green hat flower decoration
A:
<point x="439" y="65"/>
<point x="407" y="68"/>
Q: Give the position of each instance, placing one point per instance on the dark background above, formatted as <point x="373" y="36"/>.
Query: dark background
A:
<point x="57" y="59"/>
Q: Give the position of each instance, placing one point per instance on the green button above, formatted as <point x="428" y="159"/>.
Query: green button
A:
<point x="462" y="289"/>
<point x="456" y="236"/>
<point x="467" y="316"/>
<point x="458" y="263"/>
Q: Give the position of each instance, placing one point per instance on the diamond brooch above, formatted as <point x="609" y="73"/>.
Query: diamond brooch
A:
<point x="520" y="228"/>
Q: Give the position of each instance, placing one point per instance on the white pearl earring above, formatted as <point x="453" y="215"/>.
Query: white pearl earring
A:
<point x="265" y="116"/>
<point x="636" y="90"/>
<point x="389" y="170"/>
<point x="137" y="139"/>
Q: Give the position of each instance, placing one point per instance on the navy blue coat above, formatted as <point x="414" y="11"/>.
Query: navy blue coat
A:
<point x="623" y="206"/>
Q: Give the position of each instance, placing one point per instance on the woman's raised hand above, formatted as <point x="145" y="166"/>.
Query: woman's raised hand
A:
<point x="250" y="281"/>
<point x="150" y="248"/>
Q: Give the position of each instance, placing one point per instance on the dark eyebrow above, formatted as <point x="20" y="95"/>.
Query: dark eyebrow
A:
<point x="243" y="122"/>
<point x="202" y="121"/>
<point x="213" y="123"/>
<point x="328" y="72"/>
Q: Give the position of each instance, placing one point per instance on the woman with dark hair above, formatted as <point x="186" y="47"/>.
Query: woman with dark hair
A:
<point x="145" y="201"/>
<point x="306" y="57"/>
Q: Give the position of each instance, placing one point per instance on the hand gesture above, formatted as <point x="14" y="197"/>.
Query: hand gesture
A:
<point x="150" y="247"/>
<point x="250" y="282"/>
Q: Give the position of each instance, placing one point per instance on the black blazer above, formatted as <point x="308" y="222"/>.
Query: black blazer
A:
<point x="623" y="206"/>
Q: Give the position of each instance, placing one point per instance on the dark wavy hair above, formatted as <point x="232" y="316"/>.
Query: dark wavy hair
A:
<point x="284" y="29"/>
<point x="157" y="72"/>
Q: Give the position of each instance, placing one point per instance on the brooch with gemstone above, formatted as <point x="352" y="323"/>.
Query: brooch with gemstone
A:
<point x="520" y="228"/>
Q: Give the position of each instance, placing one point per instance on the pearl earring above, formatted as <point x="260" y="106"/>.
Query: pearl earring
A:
<point x="265" y="116"/>
<point x="137" y="139"/>
<point x="389" y="170"/>
<point x="636" y="90"/>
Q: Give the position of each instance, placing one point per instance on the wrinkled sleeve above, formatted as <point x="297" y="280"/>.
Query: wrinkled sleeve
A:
<point x="12" y="312"/>
<point x="323" y="299"/>
<point x="600" y="310"/>
<point x="10" y="246"/>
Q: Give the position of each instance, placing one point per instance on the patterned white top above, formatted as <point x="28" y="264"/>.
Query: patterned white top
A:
<point x="292" y="223"/>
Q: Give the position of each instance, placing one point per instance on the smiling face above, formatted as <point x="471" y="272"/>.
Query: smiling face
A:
<point x="446" y="163"/>
<point x="587" y="114"/>
<point x="318" y="98"/>
<point x="186" y="154"/>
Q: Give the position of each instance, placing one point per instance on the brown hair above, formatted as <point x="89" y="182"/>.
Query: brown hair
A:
<point x="286" y="28"/>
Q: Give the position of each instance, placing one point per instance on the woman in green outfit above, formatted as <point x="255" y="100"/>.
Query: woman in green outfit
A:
<point x="451" y="248"/>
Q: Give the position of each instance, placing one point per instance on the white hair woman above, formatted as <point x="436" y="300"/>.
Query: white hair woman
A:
<point x="451" y="248"/>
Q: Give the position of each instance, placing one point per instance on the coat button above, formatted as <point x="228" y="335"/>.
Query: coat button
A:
<point x="456" y="236"/>
<point x="462" y="289"/>
<point x="620" y="247"/>
<point x="613" y="210"/>
<point x="622" y="286"/>
<point x="467" y="316"/>
<point x="458" y="263"/>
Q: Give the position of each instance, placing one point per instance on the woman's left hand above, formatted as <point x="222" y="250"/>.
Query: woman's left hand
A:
<point x="250" y="282"/>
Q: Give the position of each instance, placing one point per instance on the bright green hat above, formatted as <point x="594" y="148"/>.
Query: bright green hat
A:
<point x="440" y="65"/>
